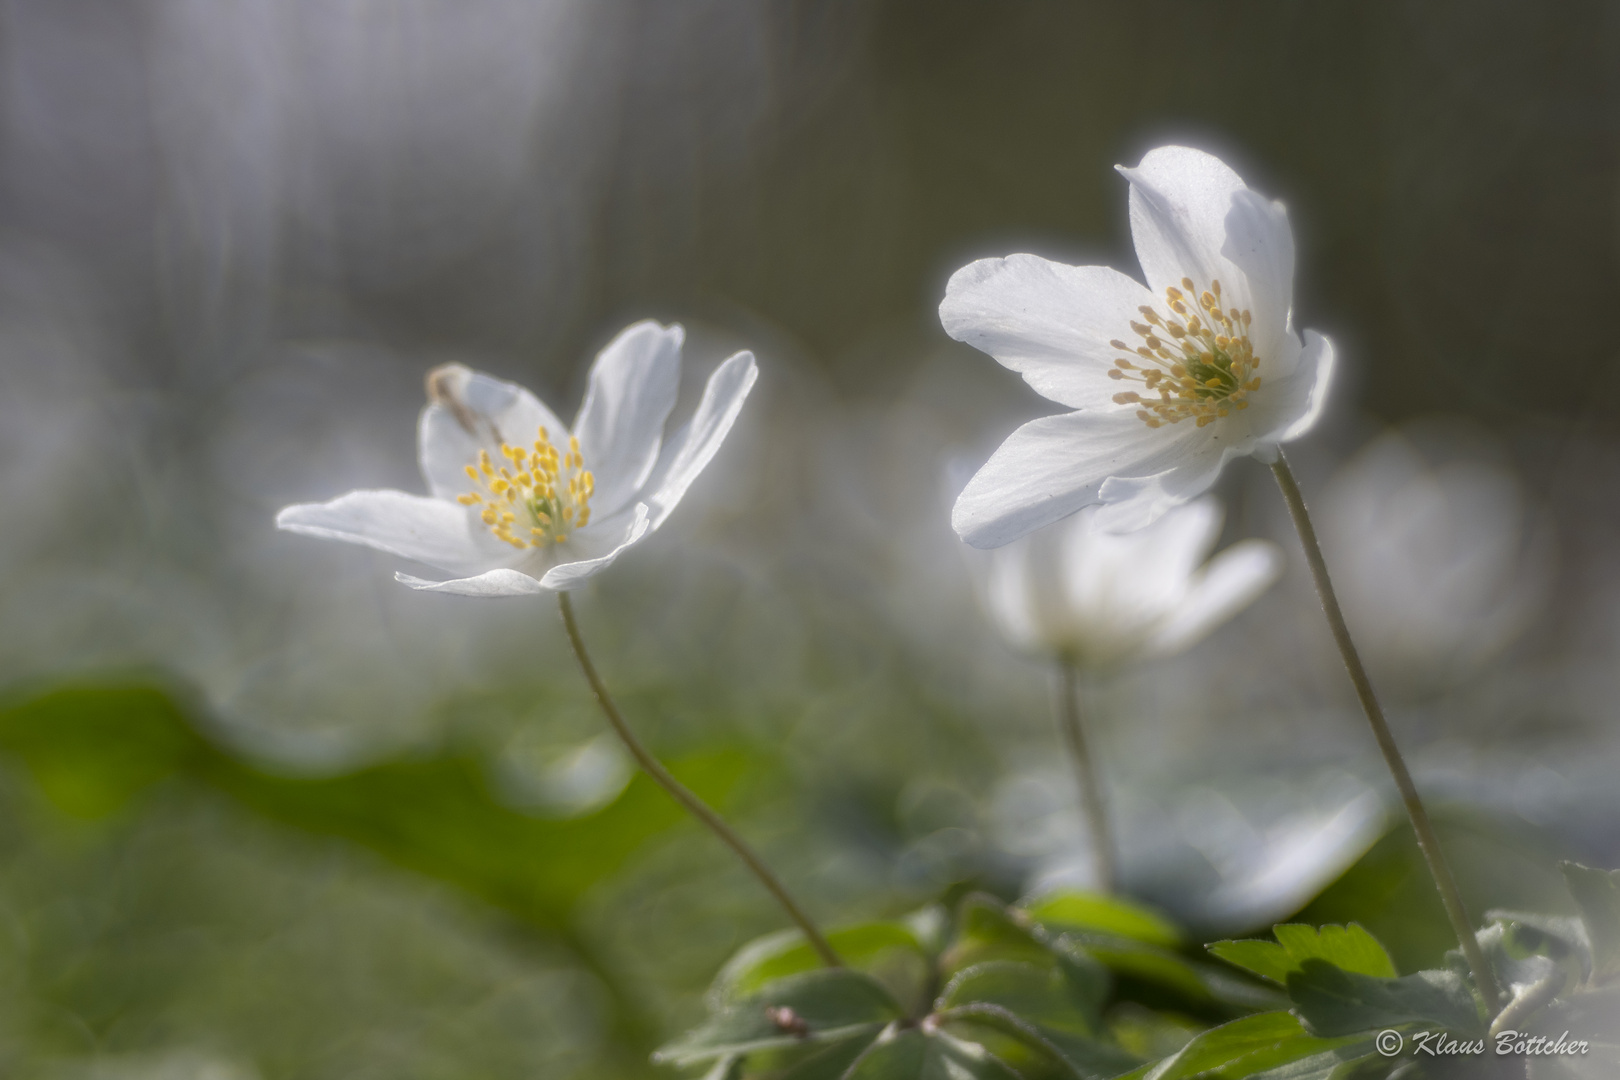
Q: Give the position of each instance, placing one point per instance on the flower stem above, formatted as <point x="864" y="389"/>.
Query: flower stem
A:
<point x="681" y="794"/>
<point x="1085" y="773"/>
<point x="1428" y="842"/>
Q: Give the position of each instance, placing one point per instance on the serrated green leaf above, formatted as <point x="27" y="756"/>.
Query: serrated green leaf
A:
<point x="786" y="952"/>
<point x="1257" y="1046"/>
<point x="1597" y="894"/>
<point x="916" y="1054"/>
<point x="1332" y="1002"/>
<point x="1349" y="947"/>
<point x="1070" y="909"/>
<point x="830" y="1005"/>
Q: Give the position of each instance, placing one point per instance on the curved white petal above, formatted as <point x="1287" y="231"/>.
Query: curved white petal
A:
<point x="432" y="531"/>
<point x="1231" y="582"/>
<point x="690" y="449"/>
<point x="1051" y="467"/>
<point x="1192" y="216"/>
<point x="1049" y="322"/>
<point x="633" y="386"/>
<point x="1284" y="410"/>
<point x="571" y="575"/>
<point x="1134" y="502"/>
<point x="488" y="411"/>
<point x="1261" y="245"/>
<point x="500" y="582"/>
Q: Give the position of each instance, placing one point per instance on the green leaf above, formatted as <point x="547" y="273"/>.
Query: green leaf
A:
<point x="832" y="1061"/>
<point x="1200" y="985"/>
<point x="1333" y="1002"/>
<point x="1028" y="1046"/>
<point x="1597" y="894"/>
<point x="918" y="1054"/>
<point x="1349" y="947"/>
<point x="1041" y="995"/>
<point x="1256" y="1046"/>
<point x="1070" y="909"/>
<point x="986" y="929"/>
<point x="93" y="749"/>
<point x="786" y="952"/>
<point x="831" y="1005"/>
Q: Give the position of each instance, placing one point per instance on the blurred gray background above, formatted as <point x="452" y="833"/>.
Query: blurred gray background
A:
<point x="234" y="234"/>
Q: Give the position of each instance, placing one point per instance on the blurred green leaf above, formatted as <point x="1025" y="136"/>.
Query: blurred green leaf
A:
<point x="1331" y="1001"/>
<point x="92" y="750"/>
<point x="1348" y="947"/>
<point x="1200" y="986"/>
<point x="1075" y="910"/>
<point x="916" y="1054"/>
<point x="824" y="1006"/>
<point x="1034" y="1014"/>
<point x="787" y="953"/>
<point x="986" y="929"/>
<point x="830" y="1062"/>
<point x="1255" y="1046"/>
<point x="1597" y="893"/>
<point x="1041" y="995"/>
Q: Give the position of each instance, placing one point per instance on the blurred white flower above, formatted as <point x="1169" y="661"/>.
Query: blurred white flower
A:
<point x="550" y="508"/>
<point x="1214" y="346"/>
<point x="1440" y="566"/>
<point x="1097" y="599"/>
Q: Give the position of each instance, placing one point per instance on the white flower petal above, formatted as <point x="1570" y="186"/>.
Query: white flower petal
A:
<point x="1049" y="322"/>
<point x="1230" y="583"/>
<point x="633" y="386"/>
<point x="498" y="411"/>
<point x="1137" y="501"/>
<point x="1260" y="243"/>
<point x="1051" y="467"/>
<point x="694" y="446"/>
<point x="1286" y="409"/>
<point x="432" y="531"/>
<point x="494" y="583"/>
<point x="571" y="575"/>
<point x="1179" y="201"/>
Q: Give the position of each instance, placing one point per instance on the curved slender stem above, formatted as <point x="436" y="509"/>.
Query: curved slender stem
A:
<point x="681" y="794"/>
<point x="1085" y="774"/>
<point x="1428" y="842"/>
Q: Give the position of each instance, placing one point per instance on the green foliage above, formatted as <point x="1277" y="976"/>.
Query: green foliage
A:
<point x="1070" y="909"/>
<point x="1348" y="947"/>
<point x="93" y="750"/>
<point x="813" y="1008"/>
<point x="1332" y="1001"/>
<point x="891" y="948"/>
<point x="1254" y="1046"/>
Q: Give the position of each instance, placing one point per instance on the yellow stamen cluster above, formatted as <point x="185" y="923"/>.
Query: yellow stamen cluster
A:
<point x="534" y="497"/>
<point x="1190" y="365"/>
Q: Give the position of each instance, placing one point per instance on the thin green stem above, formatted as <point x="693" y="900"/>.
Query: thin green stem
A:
<point x="681" y="794"/>
<point x="1085" y="774"/>
<point x="1428" y="842"/>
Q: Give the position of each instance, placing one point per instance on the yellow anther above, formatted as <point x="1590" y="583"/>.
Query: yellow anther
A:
<point x="1140" y="330"/>
<point x="530" y="507"/>
<point x="1187" y="283"/>
<point x="1115" y="373"/>
<point x="1120" y="345"/>
<point x="1129" y="397"/>
<point x="472" y="498"/>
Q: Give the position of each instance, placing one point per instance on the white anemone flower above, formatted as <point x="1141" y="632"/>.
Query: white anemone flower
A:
<point x="1168" y="381"/>
<point x="1098" y="599"/>
<point x="523" y="505"/>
